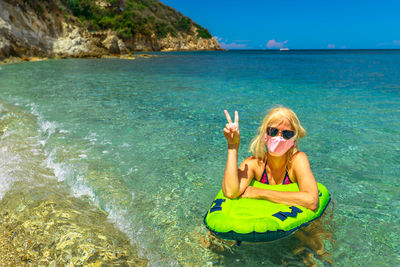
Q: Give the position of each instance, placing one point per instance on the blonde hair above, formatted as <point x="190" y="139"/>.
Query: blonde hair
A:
<point x="275" y="116"/>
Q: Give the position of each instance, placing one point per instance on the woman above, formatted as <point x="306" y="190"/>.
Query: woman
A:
<point x="280" y="163"/>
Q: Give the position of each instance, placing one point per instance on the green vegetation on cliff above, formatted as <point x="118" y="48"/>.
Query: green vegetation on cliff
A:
<point x="130" y="17"/>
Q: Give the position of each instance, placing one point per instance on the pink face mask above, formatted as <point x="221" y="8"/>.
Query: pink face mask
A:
<point x="278" y="145"/>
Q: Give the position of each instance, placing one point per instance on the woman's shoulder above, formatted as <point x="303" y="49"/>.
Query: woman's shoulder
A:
<point x="299" y="159"/>
<point x="254" y="161"/>
<point x="299" y="156"/>
<point x="255" y="166"/>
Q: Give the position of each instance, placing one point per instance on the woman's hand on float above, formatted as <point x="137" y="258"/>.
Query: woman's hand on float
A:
<point x="231" y="130"/>
<point x="250" y="192"/>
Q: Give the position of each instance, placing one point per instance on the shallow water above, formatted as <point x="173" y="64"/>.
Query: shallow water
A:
<point x="142" y="141"/>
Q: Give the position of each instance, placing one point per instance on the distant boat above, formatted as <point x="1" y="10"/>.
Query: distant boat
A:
<point x="284" y="49"/>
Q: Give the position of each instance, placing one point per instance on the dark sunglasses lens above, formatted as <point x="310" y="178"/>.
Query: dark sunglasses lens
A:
<point x="272" y="131"/>
<point x="287" y="134"/>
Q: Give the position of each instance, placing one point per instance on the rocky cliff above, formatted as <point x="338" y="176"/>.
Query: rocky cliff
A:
<point x="50" y="29"/>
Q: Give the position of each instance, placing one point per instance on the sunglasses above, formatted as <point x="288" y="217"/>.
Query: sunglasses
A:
<point x="287" y="134"/>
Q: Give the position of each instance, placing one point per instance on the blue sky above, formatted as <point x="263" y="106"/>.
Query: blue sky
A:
<point x="301" y="24"/>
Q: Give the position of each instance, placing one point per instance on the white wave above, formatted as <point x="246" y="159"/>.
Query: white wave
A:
<point x="60" y="170"/>
<point x="125" y="145"/>
<point x="80" y="189"/>
<point x="47" y="128"/>
<point x="92" y="138"/>
<point x="118" y="217"/>
<point x="6" y="183"/>
<point x="8" y="177"/>
<point x="74" y="176"/>
<point x="131" y="170"/>
<point x="17" y="161"/>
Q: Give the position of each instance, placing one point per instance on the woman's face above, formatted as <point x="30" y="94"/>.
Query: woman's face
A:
<point x="279" y="137"/>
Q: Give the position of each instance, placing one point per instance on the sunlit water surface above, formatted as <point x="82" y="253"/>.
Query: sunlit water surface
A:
<point x="142" y="140"/>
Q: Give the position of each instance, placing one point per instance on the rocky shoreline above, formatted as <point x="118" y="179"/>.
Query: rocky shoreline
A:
<point x="14" y="60"/>
<point x="27" y="34"/>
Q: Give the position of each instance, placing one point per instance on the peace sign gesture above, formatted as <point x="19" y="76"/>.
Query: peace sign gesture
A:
<point x="231" y="130"/>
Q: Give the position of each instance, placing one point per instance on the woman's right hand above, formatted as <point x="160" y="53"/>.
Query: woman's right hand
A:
<point x="231" y="130"/>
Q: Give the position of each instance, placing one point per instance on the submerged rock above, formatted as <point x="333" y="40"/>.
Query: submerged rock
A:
<point x="46" y="227"/>
<point x="41" y="222"/>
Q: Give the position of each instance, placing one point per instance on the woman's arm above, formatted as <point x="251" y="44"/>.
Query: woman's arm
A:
<point x="306" y="197"/>
<point x="235" y="179"/>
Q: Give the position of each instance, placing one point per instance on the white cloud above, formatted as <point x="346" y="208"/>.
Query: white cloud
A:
<point x="389" y="44"/>
<point x="274" y="44"/>
<point x="331" y="46"/>
<point x="237" y="44"/>
<point x="232" y="45"/>
<point x="219" y="39"/>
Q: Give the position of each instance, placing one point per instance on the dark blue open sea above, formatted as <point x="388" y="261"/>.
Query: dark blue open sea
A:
<point x="141" y="142"/>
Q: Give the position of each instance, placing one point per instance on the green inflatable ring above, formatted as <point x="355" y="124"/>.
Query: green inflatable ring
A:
<point x="255" y="220"/>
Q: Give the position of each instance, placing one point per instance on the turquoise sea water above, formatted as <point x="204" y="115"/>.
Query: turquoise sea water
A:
<point x="142" y="140"/>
